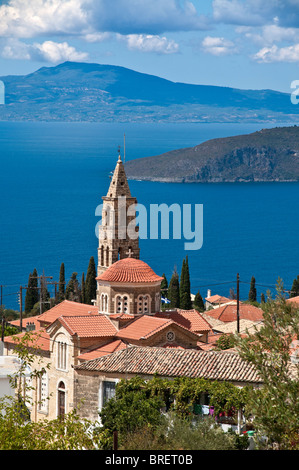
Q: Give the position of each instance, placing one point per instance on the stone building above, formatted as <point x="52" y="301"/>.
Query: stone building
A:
<point x="125" y="314"/>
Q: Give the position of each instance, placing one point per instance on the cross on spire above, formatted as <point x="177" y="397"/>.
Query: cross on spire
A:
<point x="130" y="253"/>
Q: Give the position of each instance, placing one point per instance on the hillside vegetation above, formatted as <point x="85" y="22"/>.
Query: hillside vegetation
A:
<point x="266" y="155"/>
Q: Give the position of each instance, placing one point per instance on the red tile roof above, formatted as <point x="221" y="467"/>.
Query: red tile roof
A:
<point x="218" y="299"/>
<point x="39" y="339"/>
<point x="294" y="300"/>
<point x="190" y="319"/>
<point x="228" y="313"/>
<point x="89" y="326"/>
<point x="174" y="362"/>
<point x="108" y="348"/>
<point x="67" y="308"/>
<point x="25" y="321"/>
<point x="130" y="270"/>
<point x="146" y="326"/>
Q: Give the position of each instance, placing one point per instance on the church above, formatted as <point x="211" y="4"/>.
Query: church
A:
<point x="126" y="312"/>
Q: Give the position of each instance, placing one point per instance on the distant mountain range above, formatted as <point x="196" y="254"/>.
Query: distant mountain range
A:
<point x="105" y="93"/>
<point x="266" y="155"/>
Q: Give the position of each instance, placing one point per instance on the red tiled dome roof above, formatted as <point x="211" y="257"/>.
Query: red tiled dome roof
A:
<point x="129" y="270"/>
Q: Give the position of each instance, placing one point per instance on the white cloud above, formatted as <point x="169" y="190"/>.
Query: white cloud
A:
<point x="257" y="12"/>
<point x="276" y="54"/>
<point x="218" y="46"/>
<point x="96" y="37"/>
<point x="48" y="51"/>
<point x="150" y="43"/>
<point x="33" y="18"/>
<point x="25" y="19"/>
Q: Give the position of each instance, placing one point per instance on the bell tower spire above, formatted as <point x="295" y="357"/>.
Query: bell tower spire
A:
<point x="114" y="240"/>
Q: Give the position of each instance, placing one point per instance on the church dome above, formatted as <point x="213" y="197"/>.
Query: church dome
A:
<point x="130" y="270"/>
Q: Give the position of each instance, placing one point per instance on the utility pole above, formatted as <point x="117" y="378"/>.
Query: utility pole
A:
<point x="238" y="303"/>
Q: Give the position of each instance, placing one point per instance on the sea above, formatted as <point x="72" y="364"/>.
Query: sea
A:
<point x="53" y="177"/>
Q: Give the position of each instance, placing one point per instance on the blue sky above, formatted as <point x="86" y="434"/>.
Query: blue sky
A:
<point x="249" y="44"/>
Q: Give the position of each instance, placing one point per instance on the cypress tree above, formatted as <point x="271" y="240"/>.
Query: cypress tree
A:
<point x="295" y="288"/>
<point x="91" y="283"/>
<point x="44" y="295"/>
<point x="263" y="299"/>
<point x="61" y="288"/>
<point x="252" y="291"/>
<point x="164" y="287"/>
<point x="31" y="297"/>
<point x="174" y="291"/>
<point x="185" y="294"/>
<point x="72" y="291"/>
<point x="198" y="303"/>
<point x="83" y="289"/>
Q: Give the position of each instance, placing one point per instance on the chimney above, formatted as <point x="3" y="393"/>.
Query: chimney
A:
<point x="209" y="293"/>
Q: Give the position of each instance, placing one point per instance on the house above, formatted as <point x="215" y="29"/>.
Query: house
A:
<point x="228" y="313"/>
<point x="214" y="301"/>
<point x="95" y="380"/>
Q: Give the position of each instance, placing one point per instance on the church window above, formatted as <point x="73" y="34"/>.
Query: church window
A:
<point x="61" y="355"/>
<point x="43" y="392"/>
<point x="122" y="304"/>
<point x="104" y="303"/>
<point x="143" y="303"/>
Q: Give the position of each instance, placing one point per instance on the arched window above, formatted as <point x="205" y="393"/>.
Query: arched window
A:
<point x="43" y="392"/>
<point x="143" y="304"/>
<point x="61" y="355"/>
<point x="104" y="303"/>
<point x="122" y="304"/>
<point x="61" y="399"/>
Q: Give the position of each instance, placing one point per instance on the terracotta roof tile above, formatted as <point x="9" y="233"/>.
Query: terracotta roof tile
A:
<point x="190" y="319"/>
<point x="174" y="362"/>
<point x="294" y="300"/>
<point x="130" y="270"/>
<point x="218" y="299"/>
<point x="89" y="326"/>
<point x="228" y="313"/>
<point x="40" y="339"/>
<point x="67" y="308"/>
<point x="108" y="348"/>
<point x="146" y="326"/>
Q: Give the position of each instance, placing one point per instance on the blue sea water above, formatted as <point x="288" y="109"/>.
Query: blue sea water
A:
<point x="52" y="178"/>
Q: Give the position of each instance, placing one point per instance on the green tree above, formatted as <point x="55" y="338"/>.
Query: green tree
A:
<point x="83" y="288"/>
<point x="61" y="288"/>
<point x="275" y="406"/>
<point x="45" y="303"/>
<point x="72" y="291"/>
<point x="198" y="302"/>
<point x="131" y="409"/>
<point x="174" y="291"/>
<point x="164" y="287"/>
<point x="91" y="283"/>
<point x="32" y="296"/>
<point x="185" y="294"/>
<point x="295" y="287"/>
<point x="225" y="342"/>
<point x="252" y="290"/>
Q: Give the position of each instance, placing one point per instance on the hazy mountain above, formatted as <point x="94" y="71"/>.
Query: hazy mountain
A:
<point x="266" y="155"/>
<point x="93" y="92"/>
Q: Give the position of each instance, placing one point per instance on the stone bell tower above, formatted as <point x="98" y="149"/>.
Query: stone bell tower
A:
<point x="118" y="234"/>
